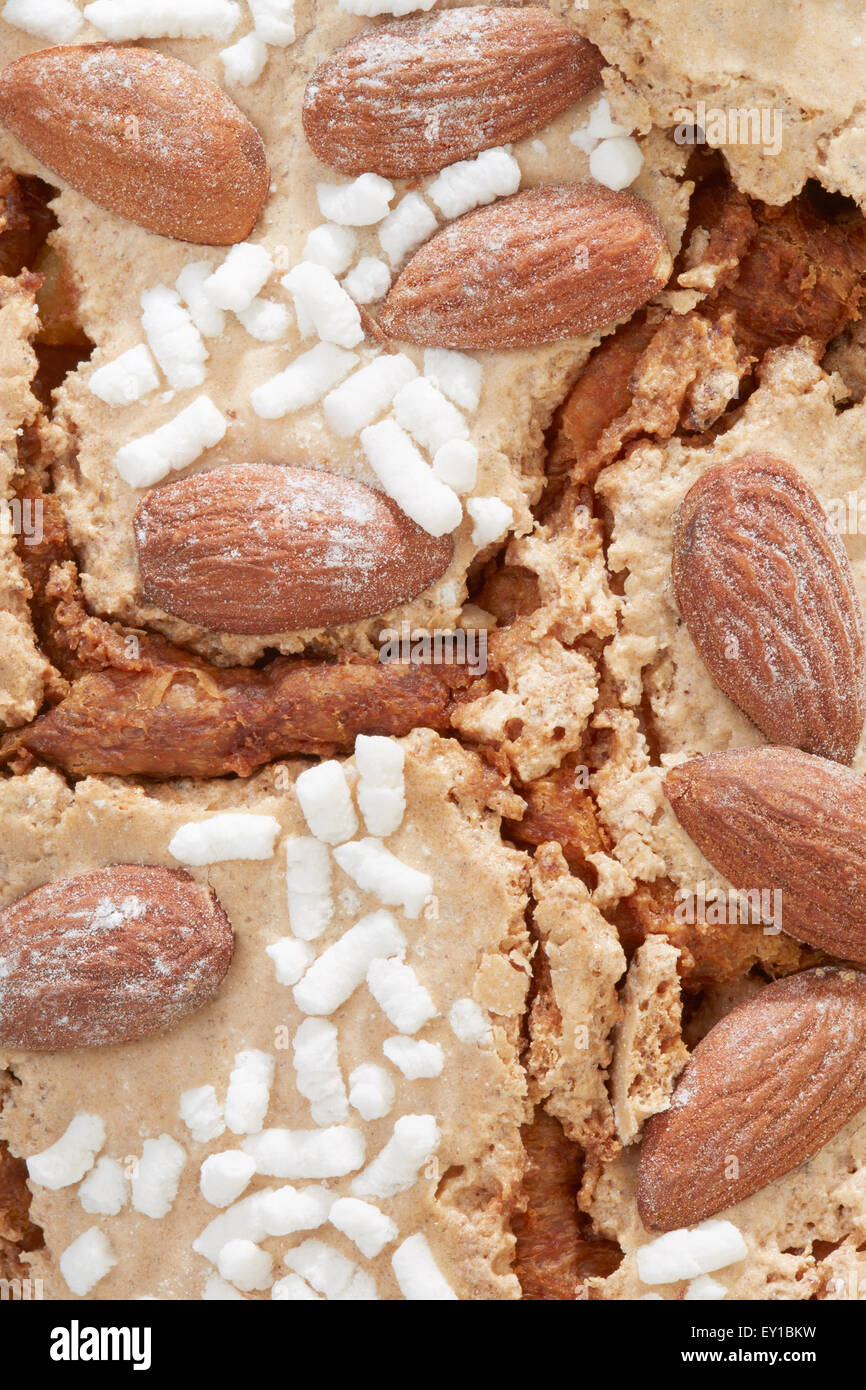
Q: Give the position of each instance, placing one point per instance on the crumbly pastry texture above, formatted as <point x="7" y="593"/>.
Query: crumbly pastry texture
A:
<point x="801" y="67"/>
<point x="459" y="1112"/>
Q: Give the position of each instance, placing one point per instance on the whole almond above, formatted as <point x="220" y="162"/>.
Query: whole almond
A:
<point x="550" y="263"/>
<point x="766" y="591"/>
<point x="109" y="956"/>
<point x="413" y="95"/>
<point x="767" y="1087"/>
<point x="257" y="548"/>
<point x="144" y="135"/>
<point x="777" y="818"/>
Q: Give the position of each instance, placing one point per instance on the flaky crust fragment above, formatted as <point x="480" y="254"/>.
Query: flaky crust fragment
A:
<point x="574" y="1011"/>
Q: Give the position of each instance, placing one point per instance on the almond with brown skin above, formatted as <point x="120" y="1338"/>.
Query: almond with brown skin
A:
<point x="143" y="135"/>
<point x="550" y="263"/>
<point x="413" y="95"/>
<point x="768" y="1086"/>
<point x="765" y="588"/>
<point x="778" y="818"/>
<point x="109" y="956"/>
<point x="256" y="548"/>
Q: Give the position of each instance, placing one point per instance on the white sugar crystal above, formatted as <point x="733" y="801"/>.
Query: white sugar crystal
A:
<point x="374" y="7"/>
<point x="602" y="126"/>
<point x="70" y="1156"/>
<point x="249" y="1091"/>
<point x="339" y="970"/>
<point x="308" y="887"/>
<point x="172" y="337"/>
<point x="230" y="835"/>
<point x="376" y="870"/>
<point x="55" y="20"/>
<point x="156" y="1177"/>
<point x="317" y="1070"/>
<point x="235" y="283"/>
<point x="129" y="377"/>
<point x="105" y="1190"/>
<point x="616" y="163"/>
<point x="274" y="21"/>
<point x="216" y="1290"/>
<point x="326" y="802"/>
<point x="322" y="306"/>
<point x="202" y="1113"/>
<point x="291" y="958"/>
<point x="399" y="994"/>
<point x="265" y="320"/>
<point x="690" y="1251"/>
<point x="289" y="1209"/>
<point x="208" y="319"/>
<point x="458" y="377"/>
<point x="332" y="246"/>
<point x="224" y="1176"/>
<point x="365" y="1224"/>
<point x="396" y="1167"/>
<point x="357" y="204"/>
<point x="371" y="1091"/>
<point x="414" y="1057"/>
<point x="179" y="442"/>
<point x="418" y="1274"/>
<point x="409" y="480"/>
<point x="293" y="1288"/>
<point x="242" y="1221"/>
<point x="471" y="182"/>
<point x="404" y="229"/>
<point x="87" y="1260"/>
<point x="586" y="143"/>
<point x="703" y="1289"/>
<point x="492" y="518"/>
<point x="244" y="62"/>
<point x="163" y="19"/>
<point x="367" y="392"/>
<point x="307" y="1153"/>
<point x="381" y="786"/>
<point x="379" y="760"/>
<point x="369" y="280"/>
<point x="302" y="383"/>
<point x="329" y="1272"/>
<point x="468" y="1022"/>
<point x="432" y="420"/>
<point x="456" y="464"/>
<point x="361" y="1288"/>
<point x="245" y="1265"/>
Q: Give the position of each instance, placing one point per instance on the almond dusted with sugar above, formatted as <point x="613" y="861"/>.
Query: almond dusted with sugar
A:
<point x="778" y="818"/>
<point x="143" y="135"/>
<point x="109" y="956"/>
<point x="766" y="591"/>
<point x="413" y="95"/>
<point x="768" y="1086"/>
<point x="258" y="548"/>
<point x="546" y="264"/>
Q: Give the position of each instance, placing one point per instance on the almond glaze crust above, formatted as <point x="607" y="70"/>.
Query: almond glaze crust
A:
<point x="432" y="679"/>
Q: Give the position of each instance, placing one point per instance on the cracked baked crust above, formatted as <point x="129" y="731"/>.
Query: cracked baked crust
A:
<point x="802" y="67"/>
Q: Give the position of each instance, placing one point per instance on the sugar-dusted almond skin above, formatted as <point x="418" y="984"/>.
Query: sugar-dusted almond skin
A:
<point x="765" y="588"/>
<point x="778" y="818"/>
<point x="767" y="1087"/>
<point x="257" y="548"/>
<point x="144" y="135"/>
<point x="109" y="956"/>
<point x="413" y="95"/>
<point x="549" y="263"/>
